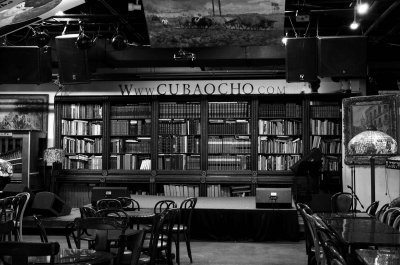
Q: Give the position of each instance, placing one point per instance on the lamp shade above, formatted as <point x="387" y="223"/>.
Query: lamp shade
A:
<point x="6" y="168"/>
<point x="52" y="155"/>
<point x="372" y="142"/>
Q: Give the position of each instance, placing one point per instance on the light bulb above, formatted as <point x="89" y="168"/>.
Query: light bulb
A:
<point x="284" y="39"/>
<point x="362" y="8"/>
<point x="354" y="25"/>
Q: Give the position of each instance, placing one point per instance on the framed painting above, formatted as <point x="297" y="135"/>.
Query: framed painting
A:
<point x="369" y="113"/>
<point x="23" y="112"/>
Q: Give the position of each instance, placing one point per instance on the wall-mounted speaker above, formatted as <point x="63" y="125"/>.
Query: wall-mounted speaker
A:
<point x="72" y="61"/>
<point x="25" y="65"/>
<point x="301" y="59"/>
<point x="343" y="57"/>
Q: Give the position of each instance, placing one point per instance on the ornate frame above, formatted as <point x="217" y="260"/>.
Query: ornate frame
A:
<point x="24" y="112"/>
<point x="355" y="110"/>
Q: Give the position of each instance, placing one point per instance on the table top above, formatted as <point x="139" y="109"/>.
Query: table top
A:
<point x="356" y="215"/>
<point x="364" y="232"/>
<point x="76" y="256"/>
<point x="378" y="257"/>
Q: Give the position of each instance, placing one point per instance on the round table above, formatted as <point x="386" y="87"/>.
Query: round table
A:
<point x="77" y="256"/>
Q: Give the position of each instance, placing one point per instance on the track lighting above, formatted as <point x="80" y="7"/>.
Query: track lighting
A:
<point x="41" y="37"/>
<point x="83" y="41"/>
<point x="119" y="41"/>
<point x="362" y="8"/>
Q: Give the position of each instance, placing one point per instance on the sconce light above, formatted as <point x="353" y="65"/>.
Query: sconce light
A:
<point x="83" y="41"/>
<point x="41" y="37"/>
<point x="354" y="25"/>
<point x="284" y="39"/>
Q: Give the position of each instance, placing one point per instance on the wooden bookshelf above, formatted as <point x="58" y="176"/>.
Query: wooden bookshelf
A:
<point x="212" y="147"/>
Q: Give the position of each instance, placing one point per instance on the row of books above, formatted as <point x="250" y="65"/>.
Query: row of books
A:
<point x="226" y="145"/>
<point x="137" y="146"/>
<point x="85" y="145"/>
<point x="129" y="162"/>
<point x="327" y="146"/>
<point x="216" y="190"/>
<point x="289" y="110"/>
<point x="81" y="127"/>
<point x="178" y="162"/>
<point x="181" y="190"/>
<point x="179" y="126"/>
<point x="228" y="109"/>
<point x="178" y="144"/>
<point x="82" y="111"/>
<point x="280" y="127"/>
<point x="228" y="162"/>
<point x="135" y="111"/>
<point x="82" y="162"/>
<point x="179" y="110"/>
<point x="331" y="163"/>
<point x="279" y="145"/>
<point x="228" y="127"/>
<point x="325" y="127"/>
<point x="131" y="127"/>
<point x="277" y="162"/>
<point x="321" y="111"/>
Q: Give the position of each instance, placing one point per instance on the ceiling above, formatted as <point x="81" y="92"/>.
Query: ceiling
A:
<point x="326" y="18"/>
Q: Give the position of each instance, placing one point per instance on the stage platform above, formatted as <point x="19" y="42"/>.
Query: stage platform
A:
<point x="215" y="219"/>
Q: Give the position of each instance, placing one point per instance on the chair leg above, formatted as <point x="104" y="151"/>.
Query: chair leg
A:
<point x="178" y="261"/>
<point x="189" y="251"/>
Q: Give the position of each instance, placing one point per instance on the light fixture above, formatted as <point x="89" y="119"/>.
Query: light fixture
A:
<point x="41" y="37"/>
<point x="371" y="143"/>
<point x="83" y="41"/>
<point x="119" y="41"/>
<point x="354" y="25"/>
<point x="6" y="168"/>
<point x="362" y="7"/>
<point x="183" y="55"/>
<point x="284" y="39"/>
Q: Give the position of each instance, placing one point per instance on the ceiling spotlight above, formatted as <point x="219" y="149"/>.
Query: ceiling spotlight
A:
<point x="83" y="41"/>
<point x="41" y="37"/>
<point x="362" y="8"/>
<point x="354" y="25"/>
<point x="119" y="41"/>
<point x="284" y="39"/>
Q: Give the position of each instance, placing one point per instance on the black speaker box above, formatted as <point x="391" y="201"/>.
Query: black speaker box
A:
<point x="49" y="204"/>
<point x="343" y="57"/>
<point x="72" y="62"/>
<point x="301" y="59"/>
<point x="274" y="197"/>
<point x="108" y="192"/>
<point x="25" y="65"/>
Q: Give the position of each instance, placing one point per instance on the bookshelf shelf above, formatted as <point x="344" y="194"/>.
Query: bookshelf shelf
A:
<point x="200" y="141"/>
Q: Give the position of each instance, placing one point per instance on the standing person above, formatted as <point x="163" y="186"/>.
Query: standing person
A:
<point x="6" y="172"/>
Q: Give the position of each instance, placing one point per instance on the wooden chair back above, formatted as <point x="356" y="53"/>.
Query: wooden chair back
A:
<point x="129" y="204"/>
<point x="160" y="206"/>
<point x="371" y="209"/>
<point x="342" y="202"/>
<point x="21" y="251"/>
<point x="108" y="204"/>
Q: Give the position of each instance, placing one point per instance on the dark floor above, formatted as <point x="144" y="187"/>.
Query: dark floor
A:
<point x="231" y="253"/>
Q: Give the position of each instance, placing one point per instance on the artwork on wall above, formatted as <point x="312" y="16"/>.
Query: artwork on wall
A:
<point x="212" y="23"/>
<point x="23" y="112"/>
<point x="369" y="113"/>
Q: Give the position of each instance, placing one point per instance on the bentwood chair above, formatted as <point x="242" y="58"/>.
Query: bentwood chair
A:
<point x="20" y="203"/>
<point x="371" y="209"/>
<point x="315" y="255"/>
<point x="21" y="251"/>
<point x="108" y="203"/>
<point x="184" y="226"/>
<point x="158" y="246"/>
<point x="342" y="202"/>
<point x="130" y="247"/>
<point x="381" y="211"/>
<point x="302" y="207"/>
<point x="100" y="226"/>
<point x="129" y="204"/>
<point x="41" y="228"/>
<point x="390" y="215"/>
<point x="160" y="206"/>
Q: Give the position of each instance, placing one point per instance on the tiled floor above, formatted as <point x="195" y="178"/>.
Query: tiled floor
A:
<point x="232" y="253"/>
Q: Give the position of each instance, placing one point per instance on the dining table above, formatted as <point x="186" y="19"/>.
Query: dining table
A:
<point x="378" y="256"/>
<point x="347" y="215"/>
<point x="363" y="232"/>
<point x="75" y="256"/>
